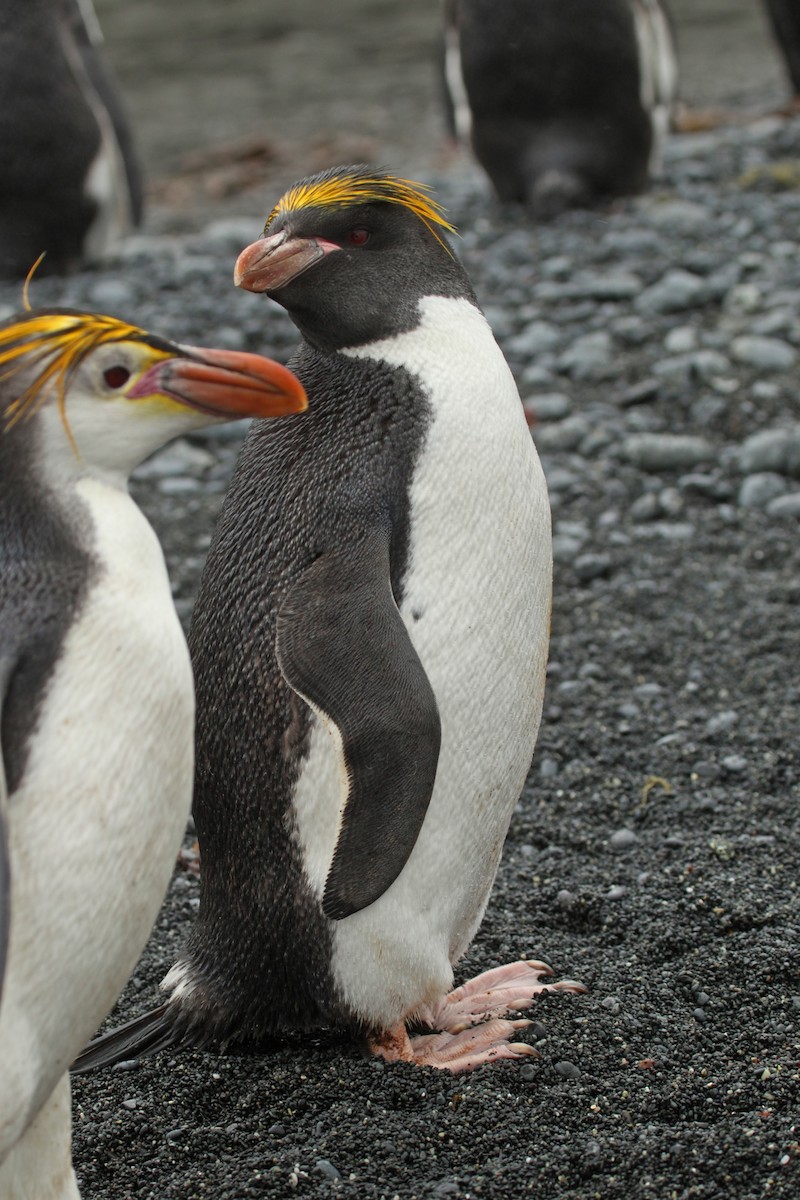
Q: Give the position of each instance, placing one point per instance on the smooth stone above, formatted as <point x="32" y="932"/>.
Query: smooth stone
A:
<point x="678" y="216"/>
<point x="592" y="566"/>
<point x="112" y="294"/>
<point x="666" y="451"/>
<point x="567" y="1069"/>
<point x="758" y="490"/>
<point x="676" y="291"/>
<point x="681" y="340"/>
<point x="784" y="506"/>
<point x="623" y="839"/>
<point x="548" y="406"/>
<point x="533" y="339"/>
<point x="772" y="450"/>
<point x="562" y="435"/>
<point x="765" y="353"/>
<point x="588" y="358"/>
<point x="566" y="549"/>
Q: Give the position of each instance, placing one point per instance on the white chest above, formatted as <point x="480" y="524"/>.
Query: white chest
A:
<point x="99" y="814"/>
<point x="477" y="608"/>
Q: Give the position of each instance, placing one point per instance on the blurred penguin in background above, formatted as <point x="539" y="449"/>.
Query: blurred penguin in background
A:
<point x="785" y="18"/>
<point x="70" y="185"/>
<point x="566" y="103"/>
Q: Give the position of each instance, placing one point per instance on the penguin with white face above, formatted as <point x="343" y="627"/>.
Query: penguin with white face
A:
<point x="70" y="185"/>
<point x="96" y="694"/>
<point x="369" y="645"/>
<point x="565" y="103"/>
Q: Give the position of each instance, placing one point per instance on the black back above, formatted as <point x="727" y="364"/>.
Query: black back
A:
<point x="49" y="134"/>
<point x="326" y="478"/>
<point x="45" y="573"/>
<point x="553" y="87"/>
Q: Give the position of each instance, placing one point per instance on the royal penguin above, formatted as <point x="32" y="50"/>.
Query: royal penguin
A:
<point x="96" y="694"/>
<point x="565" y="103"/>
<point x="369" y="646"/>
<point x="70" y="185"/>
<point x="784" y="16"/>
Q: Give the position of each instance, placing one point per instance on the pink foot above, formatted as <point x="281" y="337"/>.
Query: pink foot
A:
<point x="453" y="1052"/>
<point x="501" y="990"/>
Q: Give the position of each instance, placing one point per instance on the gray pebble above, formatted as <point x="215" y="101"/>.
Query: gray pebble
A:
<point x="676" y="291"/>
<point x="548" y="767"/>
<point x="772" y="450"/>
<point x="645" y="507"/>
<point x="567" y="1069"/>
<point x="111" y="294"/>
<point x="681" y="340"/>
<point x="562" y="435"/>
<point x="721" y="722"/>
<point x="785" y="506"/>
<point x="326" y="1168"/>
<point x="612" y="1004"/>
<point x="560" y="479"/>
<point x="735" y="763"/>
<point x="623" y="839"/>
<point x="549" y="406"/>
<point x="565" y="548"/>
<point x="589" y="357"/>
<point x="742" y="299"/>
<point x="765" y="353"/>
<point x="757" y="491"/>
<point x="534" y="339"/>
<point x="639" y="393"/>
<point x="620" y="286"/>
<point x="592" y="566"/>
<point x="665" y="451"/>
<point x="678" y="216"/>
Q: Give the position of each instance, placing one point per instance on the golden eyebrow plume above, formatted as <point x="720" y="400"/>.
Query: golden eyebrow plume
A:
<point x="344" y="186"/>
<point x="58" y="342"/>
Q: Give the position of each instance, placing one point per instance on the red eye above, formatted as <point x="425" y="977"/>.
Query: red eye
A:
<point x="116" y="377"/>
<point x="358" y="237"/>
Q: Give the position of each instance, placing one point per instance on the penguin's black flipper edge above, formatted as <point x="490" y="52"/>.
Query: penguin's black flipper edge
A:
<point x="343" y="647"/>
<point x="144" y="1035"/>
<point x="6" y="668"/>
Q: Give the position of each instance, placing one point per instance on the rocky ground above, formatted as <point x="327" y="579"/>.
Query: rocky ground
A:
<point x="655" y="853"/>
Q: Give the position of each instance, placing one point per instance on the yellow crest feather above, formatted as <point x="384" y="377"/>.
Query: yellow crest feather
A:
<point x="346" y="186"/>
<point x="57" y="342"/>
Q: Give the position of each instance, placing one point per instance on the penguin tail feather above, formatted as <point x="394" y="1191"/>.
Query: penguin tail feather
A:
<point x="145" y="1035"/>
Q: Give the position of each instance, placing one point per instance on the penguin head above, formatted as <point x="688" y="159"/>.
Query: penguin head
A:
<point x="349" y="253"/>
<point x="106" y="394"/>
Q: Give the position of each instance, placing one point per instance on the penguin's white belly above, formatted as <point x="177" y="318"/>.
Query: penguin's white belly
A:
<point x="477" y="607"/>
<point x="97" y="819"/>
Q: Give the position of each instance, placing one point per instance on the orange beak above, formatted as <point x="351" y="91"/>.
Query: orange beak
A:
<point x="225" y="384"/>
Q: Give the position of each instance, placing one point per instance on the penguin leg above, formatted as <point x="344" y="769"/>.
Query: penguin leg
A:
<point x="39" y="1165"/>
<point x="492" y="994"/>
<point x="456" y="1052"/>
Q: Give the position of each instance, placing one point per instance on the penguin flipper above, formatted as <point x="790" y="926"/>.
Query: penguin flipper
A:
<point x="343" y="646"/>
<point x="147" y="1034"/>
